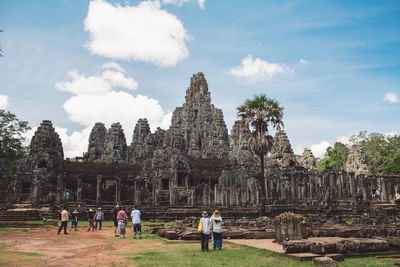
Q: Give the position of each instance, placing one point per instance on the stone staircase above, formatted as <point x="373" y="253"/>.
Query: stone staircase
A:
<point x="12" y="217"/>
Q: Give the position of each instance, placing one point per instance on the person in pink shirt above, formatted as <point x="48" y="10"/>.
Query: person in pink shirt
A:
<point x="122" y="219"/>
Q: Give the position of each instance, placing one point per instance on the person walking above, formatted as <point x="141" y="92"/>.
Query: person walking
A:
<point x="204" y="229"/>
<point x="122" y="221"/>
<point x="90" y="217"/>
<point x="216" y="226"/>
<point x="74" y="220"/>
<point x="115" y="212"/>
<point x="137" y="229"/>
<point x="99" y="217"/>
<point x="64" y="221"/>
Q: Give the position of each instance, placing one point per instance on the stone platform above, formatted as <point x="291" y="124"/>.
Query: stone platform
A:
<point x="269" y="244"/>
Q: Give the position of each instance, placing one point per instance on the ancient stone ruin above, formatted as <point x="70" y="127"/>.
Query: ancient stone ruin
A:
<point x="194" y="163"/>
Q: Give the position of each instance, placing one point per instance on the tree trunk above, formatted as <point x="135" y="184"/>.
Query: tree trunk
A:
<point x="262" y="187"/>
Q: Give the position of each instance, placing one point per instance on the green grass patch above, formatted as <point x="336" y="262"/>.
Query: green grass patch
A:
<point x="17" y="258"/>
<point x="367" y="261"/>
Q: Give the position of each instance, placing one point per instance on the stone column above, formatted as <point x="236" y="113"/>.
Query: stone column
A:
<point x="98" y="189"/>
<point x="60" y="191"/>
<point x="385" y="196"/>
<point x="35" y="194"/>
<point x="136" y="193"/>
<point x="172" y="196"/>
<point x="293" y="187"/>
<point x="79" y="189"/>
<point x="117" y="189"/>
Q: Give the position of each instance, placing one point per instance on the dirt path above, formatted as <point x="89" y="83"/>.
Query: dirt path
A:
<point x="79" y="248"/>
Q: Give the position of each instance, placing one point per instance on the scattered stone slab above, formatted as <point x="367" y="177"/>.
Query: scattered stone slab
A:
<point x="335" y="256"/>
<point x="324" y="261"/>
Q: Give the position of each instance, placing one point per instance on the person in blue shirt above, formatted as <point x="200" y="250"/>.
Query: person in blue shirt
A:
<point x="99" y="217"/>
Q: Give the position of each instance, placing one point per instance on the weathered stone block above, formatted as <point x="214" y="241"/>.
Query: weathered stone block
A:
<point x="324" y="261"/>
<point x="296" y="246"/>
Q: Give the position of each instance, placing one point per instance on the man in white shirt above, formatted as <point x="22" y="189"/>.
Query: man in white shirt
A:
<point x="64" y="221"/>
<point x="137" y="229"/>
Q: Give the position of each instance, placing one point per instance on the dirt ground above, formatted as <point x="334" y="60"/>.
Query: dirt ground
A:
<point x="79" y="248"/>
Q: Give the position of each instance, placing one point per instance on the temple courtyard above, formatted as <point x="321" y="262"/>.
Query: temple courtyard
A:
<point x="39" y="245"/>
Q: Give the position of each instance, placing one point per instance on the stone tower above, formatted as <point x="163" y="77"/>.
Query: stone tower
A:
<point x="115" y="148"/>
<point x="42" y="168"/>
<point x="356" y="161"/>
<point x="97" y="140"/>
<point x="307" y="160"/>
<point x="201" y="124"/>
<point x="282" y="153"/>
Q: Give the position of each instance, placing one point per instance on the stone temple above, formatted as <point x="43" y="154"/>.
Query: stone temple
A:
<point x="194" y="163"/>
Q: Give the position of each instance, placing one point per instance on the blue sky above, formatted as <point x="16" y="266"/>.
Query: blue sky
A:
<point x="333" y="65"/>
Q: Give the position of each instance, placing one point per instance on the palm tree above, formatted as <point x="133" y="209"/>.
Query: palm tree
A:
<point x="257" y="114"/>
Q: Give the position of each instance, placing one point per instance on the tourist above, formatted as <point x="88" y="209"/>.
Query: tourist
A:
<point x="64" y="221"/>
<point x="378" y="195"/>
<point x="115" y="212"/>
<point x="216" y="226"/>
<point x="204" y="229"/>
<point x="99" y="217"/>
<point x="74" y="220"/>
<point x="67" y="195"/>
<point x="397" y="198"/>
<point x="90" y="217"/>
<point x="137" y="229"/>
<point x="122" y="221"/>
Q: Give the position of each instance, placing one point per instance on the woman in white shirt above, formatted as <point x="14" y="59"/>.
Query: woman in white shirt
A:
<point x="216" y="226"/>
<point x="205" y="231"/>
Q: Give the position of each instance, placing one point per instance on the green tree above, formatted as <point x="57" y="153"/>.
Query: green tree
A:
<point x="379" y="149"/>
<point x="12" y="147"/>
<point x="393" y="167"/>
<point x="258" y="114"/>
<point x="335" y="157"/>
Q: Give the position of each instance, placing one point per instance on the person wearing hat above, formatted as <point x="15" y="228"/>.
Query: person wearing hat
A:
<point x="90" y="220"/>
<point x="74" y="221"/>
<point x="115" y="212"/>
<point x="216" y="226"/>
<point x="99" y="217"/>
<point x="205" y="231"/>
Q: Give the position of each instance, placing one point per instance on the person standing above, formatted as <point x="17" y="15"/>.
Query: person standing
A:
<point x="137" y="229"/>
<point x="74" y="220"/>
<point x="99" y="217"/>
<point x="115" y="212"/>
<point x="378" y="195"/>
<point x="90" y="217"/>
<point x="64" y="221"/>
<point x="205" y="231"/>
<point x="216" y="226"/>
<point x="122" y="221"/>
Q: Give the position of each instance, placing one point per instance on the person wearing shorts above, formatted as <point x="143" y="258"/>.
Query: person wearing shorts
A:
<point x="137" y="229"/>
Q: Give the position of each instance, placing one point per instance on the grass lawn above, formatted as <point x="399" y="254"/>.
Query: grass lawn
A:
<point x="11" y="229"/>
<point x="156" y="251"/>
<point x="14" y="258"/>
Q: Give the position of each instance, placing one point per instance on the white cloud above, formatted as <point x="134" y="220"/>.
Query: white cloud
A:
<point x="113" y="66"/>
<point x="3" y="101"/>
<point x="89" y="105"/>
<point x="302" y="61"/>
<point x="180" y="2"/>
<point x="95" y="85"/>
<point x="392" y="98"/>
<point x="319" y="149"/>
<point x="201" y="3"/>
<point x="258" y="69"/>
<point x="343" y="140"/>
<point x="143" y="33"/>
